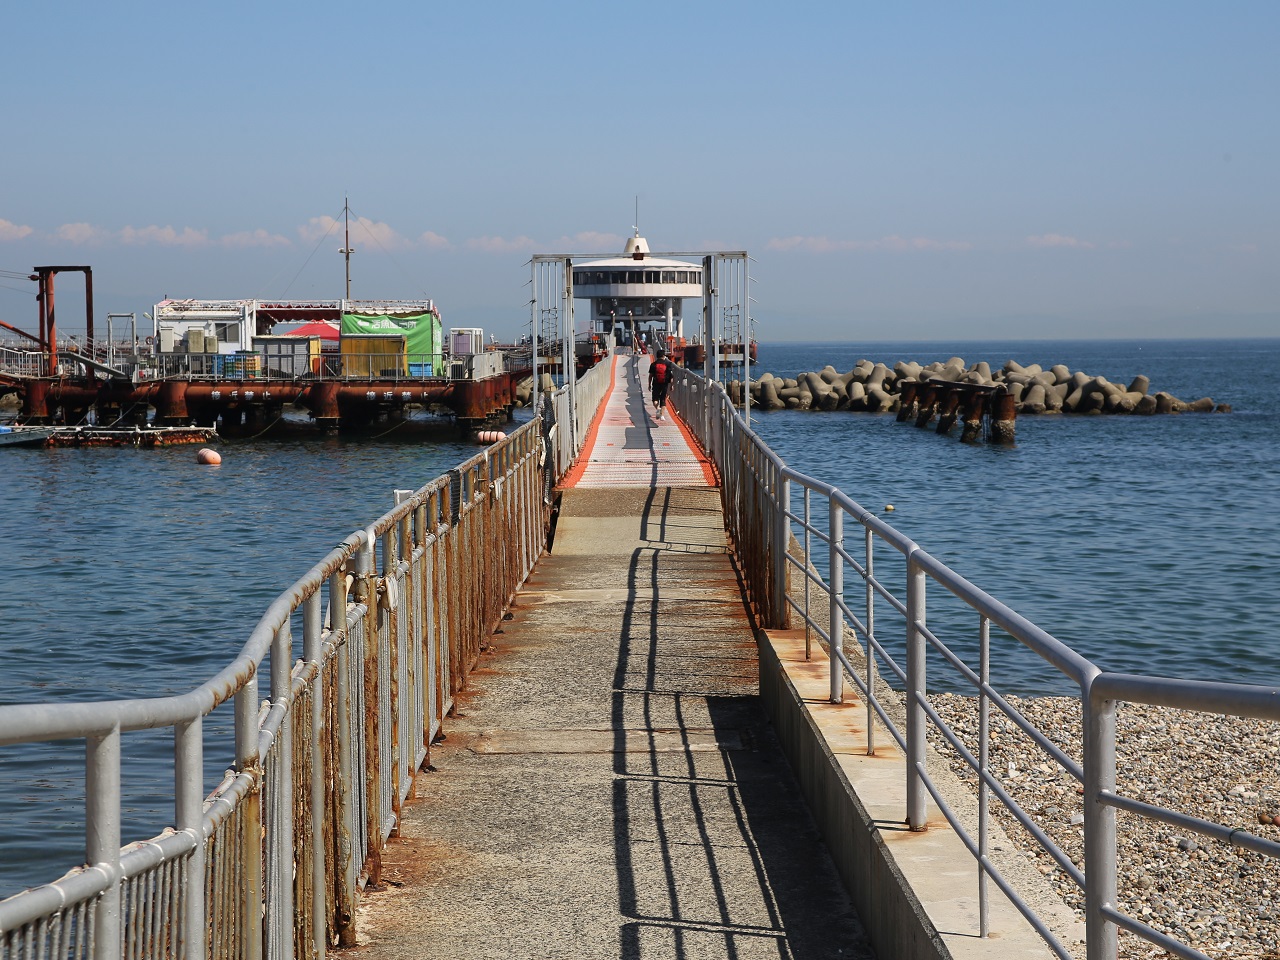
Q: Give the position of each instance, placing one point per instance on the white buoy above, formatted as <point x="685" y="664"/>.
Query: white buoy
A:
<point x="888" y="508"/>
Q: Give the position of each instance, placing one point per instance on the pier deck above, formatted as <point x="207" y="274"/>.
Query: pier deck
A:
<point x="610" y="786"/>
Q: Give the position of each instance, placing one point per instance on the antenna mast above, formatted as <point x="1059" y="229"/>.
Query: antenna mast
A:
<point x="346" y="250"/>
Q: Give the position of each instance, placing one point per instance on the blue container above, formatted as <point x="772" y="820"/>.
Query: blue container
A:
<point x="419" y="369"/>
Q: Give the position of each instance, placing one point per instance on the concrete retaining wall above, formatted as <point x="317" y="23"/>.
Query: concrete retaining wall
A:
<point x="917" y="893"/>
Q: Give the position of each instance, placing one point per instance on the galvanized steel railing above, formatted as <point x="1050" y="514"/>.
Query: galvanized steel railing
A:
<point x="571" y="413"/>
<point x="765" y="501"/>
<point x="272" y="862"/>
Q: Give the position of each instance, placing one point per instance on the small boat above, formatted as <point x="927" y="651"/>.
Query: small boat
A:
<point x="20" y="436"/>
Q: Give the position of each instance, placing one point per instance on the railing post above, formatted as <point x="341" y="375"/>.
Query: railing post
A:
<point x="917" y="797"/>
<point x="984" y="791"/>
<point x="250" y="845"/>
<point x="781" y="545"/>
<point x="1099" y="825"/>
<point x="313" y="652"/>
<point x="344" y="782"/>
<point x="102" y="838"/>
<point x="366" y="590"/>
<point x="835" y="529"/>
<point x="280" y="834"/>
<point x="869" y="542"/>
<point x="188" y="815"/>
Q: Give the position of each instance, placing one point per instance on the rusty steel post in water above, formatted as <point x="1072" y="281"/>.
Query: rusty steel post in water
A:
<point x="974" y="408"/>
<point x="947" y="409"/>
<point x="1004" y="413"/>
<point x="907" y="407"/>
<point x="928" y="404"/>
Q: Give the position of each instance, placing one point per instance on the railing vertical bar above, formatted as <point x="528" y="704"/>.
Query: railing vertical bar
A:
<point x="313" y="653"/>
<point x="835" y="528"/>
<point x="249" y="848"/>
<point x="984" y="791"/>
<point x="188" y="816"/>
<point x="917" y="794"/>
<point x="808" y="553"/>
<point x="1101" y="936"/>
<point x="102" y="837"/>
<point x="871" y="650"/>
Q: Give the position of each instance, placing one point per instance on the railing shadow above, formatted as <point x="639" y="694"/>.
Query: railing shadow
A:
<point x="716" y="853"/>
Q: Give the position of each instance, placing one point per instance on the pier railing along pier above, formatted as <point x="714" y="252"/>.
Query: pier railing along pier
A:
<point x="797" y="538"/>
<point x="334" y="715"/>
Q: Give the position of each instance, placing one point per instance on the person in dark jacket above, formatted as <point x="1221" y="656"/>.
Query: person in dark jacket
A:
<point x="659" y="377"/>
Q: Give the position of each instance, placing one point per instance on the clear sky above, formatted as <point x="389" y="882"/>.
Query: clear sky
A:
<point x="899" y="171"/>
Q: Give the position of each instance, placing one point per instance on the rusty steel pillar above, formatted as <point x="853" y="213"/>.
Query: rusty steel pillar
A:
<point x="947" y="409"/>
<point x="322" y="401"/>
<point x="907" y="400"/>
<point x="171" y="403"/>
<point x="35" y="402"/>
<point x="88" y="309"/>
<point x="974" y="408"/>
<point x="928" y="403"/>
<point x="1004" y="413"/>
<point x="39" y="277"/>
<point x="51" y="346"/>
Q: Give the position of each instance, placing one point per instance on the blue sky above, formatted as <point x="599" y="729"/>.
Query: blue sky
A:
<point x="908" y="171"/>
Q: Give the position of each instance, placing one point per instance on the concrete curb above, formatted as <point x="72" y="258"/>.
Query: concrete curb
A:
<point x="915" y="892"/>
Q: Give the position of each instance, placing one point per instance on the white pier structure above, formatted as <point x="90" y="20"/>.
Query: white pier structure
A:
<point x="636" y="293"/>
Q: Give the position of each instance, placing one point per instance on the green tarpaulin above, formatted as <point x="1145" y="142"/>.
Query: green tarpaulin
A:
<point x="420" y="330"/>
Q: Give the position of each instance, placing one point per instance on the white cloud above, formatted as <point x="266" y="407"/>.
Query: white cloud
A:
<point x="255" y="238"/>
<point x="433" y="241"/>
<point x="317" y="227"/>
<point x="365" y="233"/>
<point x="1058" y="240"/>
<point x="80" y="233"/>
<point x="501" y="244"/>
<point x="892" y="244"/>
<point x="164" y="236"/>
<point x="591" y="240"/>
<point x="13" y="231"/>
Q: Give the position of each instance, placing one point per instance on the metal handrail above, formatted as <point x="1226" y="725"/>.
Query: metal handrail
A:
<point x="757" y="494"/>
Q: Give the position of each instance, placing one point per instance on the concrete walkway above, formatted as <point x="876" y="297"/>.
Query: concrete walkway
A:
<point x="610" y="786"/>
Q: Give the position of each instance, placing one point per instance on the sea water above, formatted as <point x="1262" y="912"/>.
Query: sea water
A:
<point x="1147" y="543"/>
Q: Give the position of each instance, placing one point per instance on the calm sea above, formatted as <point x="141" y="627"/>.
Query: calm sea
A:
<point x="1148" y="543"/>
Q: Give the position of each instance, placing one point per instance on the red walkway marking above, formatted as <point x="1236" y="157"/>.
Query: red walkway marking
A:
<point x="627" y="446"/>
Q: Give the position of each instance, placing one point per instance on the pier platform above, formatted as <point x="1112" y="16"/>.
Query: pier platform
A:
<point x="610" y="786"/>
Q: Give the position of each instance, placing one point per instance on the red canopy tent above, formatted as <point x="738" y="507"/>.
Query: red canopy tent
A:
<point x="317" y="328"/>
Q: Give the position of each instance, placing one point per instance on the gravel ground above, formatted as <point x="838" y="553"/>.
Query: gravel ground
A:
<point x="1222" y="900"/>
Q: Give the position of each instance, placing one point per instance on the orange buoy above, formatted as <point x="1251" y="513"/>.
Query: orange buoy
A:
<point x="490" y="436"/>
<point x="211" y="457"/>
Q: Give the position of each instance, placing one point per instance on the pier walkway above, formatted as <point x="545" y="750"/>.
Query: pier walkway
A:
<point x="609" y="786"/>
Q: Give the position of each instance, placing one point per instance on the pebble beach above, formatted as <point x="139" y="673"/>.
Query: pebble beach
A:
<point x="1222" y="900"/>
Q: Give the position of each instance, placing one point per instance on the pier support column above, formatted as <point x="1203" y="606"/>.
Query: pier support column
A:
<point x="947" y="410"/>
<point x="322" y="400"/>
<point x="928" y="403"/>
<point x="974" y="409"/>
<point x="907" y="406"/>
<point x="171" y="403"/>
<point x="35" y="402"/>
<point x="1004" y="414"/>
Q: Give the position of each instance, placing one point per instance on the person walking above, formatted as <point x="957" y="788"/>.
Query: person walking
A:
<point x="659" y="378"/>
